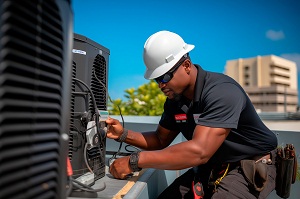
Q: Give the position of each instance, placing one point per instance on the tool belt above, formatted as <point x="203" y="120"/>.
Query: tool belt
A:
<point x="217" y="174"/>
<point x="286" y="163"/>
<point x="256" y="170"/>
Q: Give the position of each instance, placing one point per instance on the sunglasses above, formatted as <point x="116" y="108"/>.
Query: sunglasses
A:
<point x="165" y="78"/>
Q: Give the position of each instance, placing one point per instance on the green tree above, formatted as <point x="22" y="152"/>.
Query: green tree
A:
<point x="147" y="100"/>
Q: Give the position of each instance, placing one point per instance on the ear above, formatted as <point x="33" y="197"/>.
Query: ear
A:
<point x="187" y="65"/>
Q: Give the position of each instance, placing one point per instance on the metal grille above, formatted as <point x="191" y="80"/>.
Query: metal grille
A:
<point x="30" y="92"/>
<point x="99" y="68"/>
<point x="72" y="124"/>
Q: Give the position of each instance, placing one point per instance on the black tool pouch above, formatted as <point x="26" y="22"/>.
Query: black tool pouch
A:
<point x="286" y="163"/>
<point x="255" y="173"/>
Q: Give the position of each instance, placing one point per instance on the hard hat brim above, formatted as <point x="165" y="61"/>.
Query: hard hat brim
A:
<point x="157" y="72"/>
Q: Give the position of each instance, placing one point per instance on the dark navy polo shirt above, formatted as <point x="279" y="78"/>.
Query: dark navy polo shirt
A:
<point x="220" y="102"/>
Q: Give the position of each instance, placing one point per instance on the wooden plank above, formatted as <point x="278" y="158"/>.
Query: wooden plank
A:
<point x="129" y="184"/>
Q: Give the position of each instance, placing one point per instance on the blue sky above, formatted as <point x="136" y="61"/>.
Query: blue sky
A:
<point x="220" y="31"/>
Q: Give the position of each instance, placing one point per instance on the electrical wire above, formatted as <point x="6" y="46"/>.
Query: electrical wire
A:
<point x="95" y="109"/>
<point x="90" y="128"/>
<point x="120" y="146"/>
<point x="75" y="148"/>
<point x="85" y="158"/>
<point x="109" y="96"/>
<point x="85" y="187"/>
<point x="72" y="125"/>
<point x="131" y="151"/>
<point x="70" y="187"/>
<point x="90" y="91"/>
<point x="114" y="156"/>
<point x="96" y="118"/>
<point x="75" y="183"/>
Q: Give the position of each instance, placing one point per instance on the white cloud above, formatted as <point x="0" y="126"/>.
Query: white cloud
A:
<point x="295" y="57"/>
<point x="275" y="35"/>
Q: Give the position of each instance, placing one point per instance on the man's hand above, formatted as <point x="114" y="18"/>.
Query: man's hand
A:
<point x="114" y="128"/>
<point x="120" y="168"/>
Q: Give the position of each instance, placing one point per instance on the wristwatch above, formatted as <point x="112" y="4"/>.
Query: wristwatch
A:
<point x="133" y="161"/>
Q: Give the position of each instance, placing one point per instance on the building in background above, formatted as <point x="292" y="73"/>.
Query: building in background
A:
<point x="270" y="81"/>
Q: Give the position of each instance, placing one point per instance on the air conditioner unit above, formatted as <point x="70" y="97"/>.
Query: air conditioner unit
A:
<point x="89" y="96"/>
<point x="35" y="71"/>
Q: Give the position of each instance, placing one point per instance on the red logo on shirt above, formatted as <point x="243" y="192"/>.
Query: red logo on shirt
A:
<point x="180" y="117"/>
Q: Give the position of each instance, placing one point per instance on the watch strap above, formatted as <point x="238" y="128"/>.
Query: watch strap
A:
<point x="133" y="161"/>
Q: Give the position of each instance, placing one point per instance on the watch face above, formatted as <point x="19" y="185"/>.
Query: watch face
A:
<point x="133" y="158"/>
<point x="133" y="161"/>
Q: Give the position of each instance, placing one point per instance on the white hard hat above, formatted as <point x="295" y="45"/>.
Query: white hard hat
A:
<point x="162" y="51"/>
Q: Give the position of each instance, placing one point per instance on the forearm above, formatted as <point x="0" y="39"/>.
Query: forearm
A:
<point x="176" y="157"/>
<point x="206" y="141"/>
<point x="145" y="140"/>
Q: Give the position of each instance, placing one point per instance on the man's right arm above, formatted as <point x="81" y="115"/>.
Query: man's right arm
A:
<point x="154" y="140"/>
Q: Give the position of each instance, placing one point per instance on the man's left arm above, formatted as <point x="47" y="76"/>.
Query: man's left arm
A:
<point x="199" y="150"/>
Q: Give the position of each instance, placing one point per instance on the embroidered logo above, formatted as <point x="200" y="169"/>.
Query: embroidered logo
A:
<point x="180" y="118"/>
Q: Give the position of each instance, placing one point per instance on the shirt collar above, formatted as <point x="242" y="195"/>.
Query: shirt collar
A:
<point x="199" y="83"/>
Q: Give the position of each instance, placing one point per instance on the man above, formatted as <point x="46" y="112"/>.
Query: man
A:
<point x="230" y="150"/>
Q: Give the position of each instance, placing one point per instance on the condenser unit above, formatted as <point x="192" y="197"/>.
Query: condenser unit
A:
<point x="35" y="72"/>
<point x="89" y="98"/>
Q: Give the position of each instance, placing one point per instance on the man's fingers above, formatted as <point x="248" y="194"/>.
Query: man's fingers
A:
<point x="112" y="171"/>
<point x="115" y="174"/>
<point x="112" y="122"/>
<point x="108" y="120"/>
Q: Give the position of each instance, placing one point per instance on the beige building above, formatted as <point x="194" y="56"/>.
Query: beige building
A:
<point x="270" y="82"/>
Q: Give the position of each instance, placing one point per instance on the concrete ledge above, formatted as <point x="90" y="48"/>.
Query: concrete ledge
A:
<point x="153" y="181"/>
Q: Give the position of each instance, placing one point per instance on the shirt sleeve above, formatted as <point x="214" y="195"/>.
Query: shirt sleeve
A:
<point x="167" y="119"/>
<point x="222" y="106"/>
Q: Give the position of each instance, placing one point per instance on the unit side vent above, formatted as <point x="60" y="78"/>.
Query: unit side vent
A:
<point x="72" y="116"/>
<point x="30" y="92"/>
<point x="99" y="89"/>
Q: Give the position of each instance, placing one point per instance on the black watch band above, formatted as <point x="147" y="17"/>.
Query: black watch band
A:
<point x="133" y="161"/>
<point x="123" y="137"/>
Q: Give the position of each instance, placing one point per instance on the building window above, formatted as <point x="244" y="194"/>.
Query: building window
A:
<point x="280" y="67"/>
